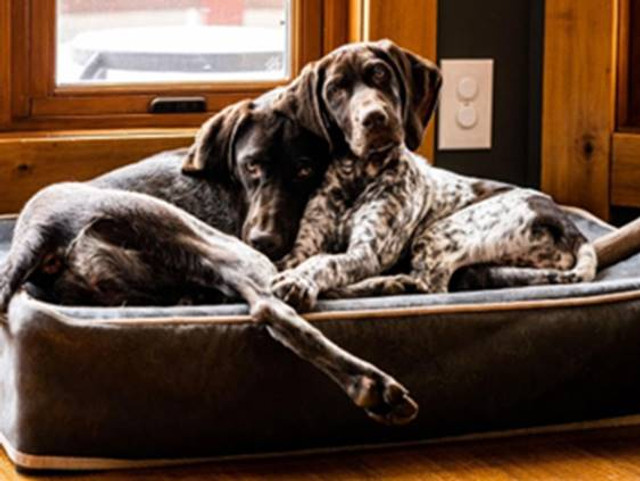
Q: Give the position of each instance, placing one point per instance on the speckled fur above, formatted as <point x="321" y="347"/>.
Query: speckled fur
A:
<point x="372" y="208"/>
<point x="511" y="229"/>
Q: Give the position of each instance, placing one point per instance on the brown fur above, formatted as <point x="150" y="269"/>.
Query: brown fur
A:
<point x="380" y="201"/>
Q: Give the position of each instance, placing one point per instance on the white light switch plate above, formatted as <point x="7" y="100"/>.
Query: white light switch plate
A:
<point x="466" y="104"/>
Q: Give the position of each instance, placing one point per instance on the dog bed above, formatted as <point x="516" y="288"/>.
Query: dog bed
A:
<point x="89" y="388"/>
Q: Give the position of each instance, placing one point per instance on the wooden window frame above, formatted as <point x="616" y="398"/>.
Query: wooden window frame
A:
<point x="37" y="151"/>
<point x="378" y="19"/>
<point x="32" y="101"/>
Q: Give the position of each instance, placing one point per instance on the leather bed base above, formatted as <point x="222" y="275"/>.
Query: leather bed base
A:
<point x="99" y="388"/>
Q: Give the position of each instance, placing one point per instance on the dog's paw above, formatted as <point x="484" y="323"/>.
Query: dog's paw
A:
<point x="287" y="262"/>
<point x="297" y="290"/>
<point x="384" y="400"/>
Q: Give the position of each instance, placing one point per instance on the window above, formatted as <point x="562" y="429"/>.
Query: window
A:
<point x="123" y="42"/>
<point x="77" y="64"/>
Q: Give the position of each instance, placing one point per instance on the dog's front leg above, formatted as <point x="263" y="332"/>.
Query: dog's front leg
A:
<point x="183" y="250"/>
<point x="317" y="228"/>
<point x="378" y="236"/>
<point x="380" y="395"/>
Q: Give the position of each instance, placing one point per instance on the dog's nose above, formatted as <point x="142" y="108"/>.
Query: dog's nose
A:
<point x="268" y="243"/>
<point x="374" y="119"/>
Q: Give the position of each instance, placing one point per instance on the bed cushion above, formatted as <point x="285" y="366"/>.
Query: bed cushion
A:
<point x="111" y="387"/>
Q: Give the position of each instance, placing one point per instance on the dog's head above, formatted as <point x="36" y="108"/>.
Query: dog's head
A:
<point x="376" y="94"/>
<point x="273" y="160"/>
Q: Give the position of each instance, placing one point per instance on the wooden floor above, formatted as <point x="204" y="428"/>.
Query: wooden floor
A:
<point x="601" y="455"/>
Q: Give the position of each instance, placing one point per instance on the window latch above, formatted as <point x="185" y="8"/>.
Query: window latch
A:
<point x="177" y="105"/>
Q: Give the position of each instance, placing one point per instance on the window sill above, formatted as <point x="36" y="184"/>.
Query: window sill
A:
<point x="32" y="160"/>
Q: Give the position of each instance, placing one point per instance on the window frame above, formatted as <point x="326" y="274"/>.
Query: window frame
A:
<point x="37" y="152"/>
<point x="30" y="99"/>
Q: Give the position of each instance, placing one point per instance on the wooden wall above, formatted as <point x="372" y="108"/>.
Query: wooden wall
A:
<point x="410" y="23"/>
<point x="578" y="110"/>
<point x="35" y="160"/>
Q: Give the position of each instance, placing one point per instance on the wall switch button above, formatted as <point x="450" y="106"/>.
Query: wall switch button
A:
<point x="467" y="117"/>
<point x="467" y="88"/>
<point x="466" y="104"/>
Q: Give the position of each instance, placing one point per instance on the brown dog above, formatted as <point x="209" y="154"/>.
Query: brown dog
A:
<point x="113" y="246"/>
<point x="249" y="173"/>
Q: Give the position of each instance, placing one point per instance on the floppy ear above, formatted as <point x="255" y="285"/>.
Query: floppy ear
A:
<point x="212" y="150"/>
<point x="422" y="81"/>
<point x="302" y="102"/>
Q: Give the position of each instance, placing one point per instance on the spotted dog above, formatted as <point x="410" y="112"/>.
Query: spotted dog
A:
<point x="379" y="200"/>
<point x="521" y="231"/>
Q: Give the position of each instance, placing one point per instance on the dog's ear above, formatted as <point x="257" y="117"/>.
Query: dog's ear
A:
<point x="212" y="151"/>
<point x="422" y="81"/>
<point x="302" y="102"/>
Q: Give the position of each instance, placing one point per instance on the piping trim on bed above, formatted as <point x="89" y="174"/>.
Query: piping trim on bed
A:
<point x="35" y="461"/>
<point x="569" y="302"/>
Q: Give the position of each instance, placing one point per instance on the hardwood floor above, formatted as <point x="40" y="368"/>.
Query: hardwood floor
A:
<point x="612" y="454"/>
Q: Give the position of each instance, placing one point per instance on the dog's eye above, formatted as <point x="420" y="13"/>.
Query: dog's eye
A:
<point x="334" y="88"/>
<point x="252" y="168"/>
<point x="304" y="172"/>
<point x="379" y="73"/>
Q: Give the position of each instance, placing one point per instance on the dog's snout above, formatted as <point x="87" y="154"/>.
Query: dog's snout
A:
<point x="268" y="243"/>
<point x="375" y="118"/>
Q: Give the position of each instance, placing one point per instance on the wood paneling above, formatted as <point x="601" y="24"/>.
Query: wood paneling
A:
<point x="622" y="112"/>
<point x="34" y="161"/>
<point x="625" y="173"/>
<point x="578" y="109"/>
<point x="306" y="32"/>
<point x="335" y="27"/>
<point x="19" y="47"/>
<point x="633" y="25"/>
<point x="5" y="63"/>
<point x="412" y="24"/>
<point x="356" y="20"/>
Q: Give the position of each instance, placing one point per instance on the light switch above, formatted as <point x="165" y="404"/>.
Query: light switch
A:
<point x="466" y="104"/>
<point x="467" y="88"/>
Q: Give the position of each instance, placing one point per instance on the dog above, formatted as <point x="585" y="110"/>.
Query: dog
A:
<point x="249" y="173"/>
<point x="379" y="200"/>
<point x="124" y="247"/>
<point x="107" y="242"/>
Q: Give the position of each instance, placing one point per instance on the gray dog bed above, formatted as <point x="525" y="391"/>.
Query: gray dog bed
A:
<point x="113" y="387"/>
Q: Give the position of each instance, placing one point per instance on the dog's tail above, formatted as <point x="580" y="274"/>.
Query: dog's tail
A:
<point x="618" y="245"/>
